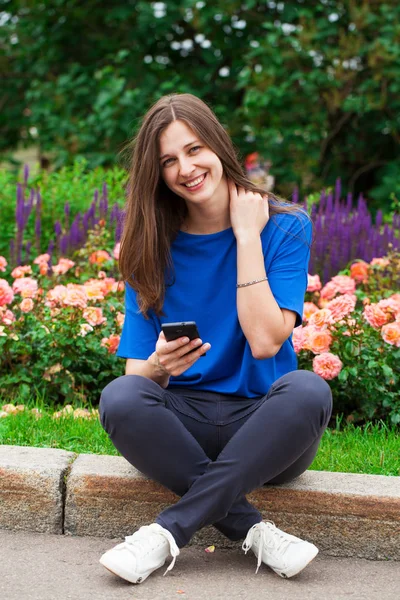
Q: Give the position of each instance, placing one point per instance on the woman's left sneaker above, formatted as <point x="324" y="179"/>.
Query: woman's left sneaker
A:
<point x="285" y="554"/>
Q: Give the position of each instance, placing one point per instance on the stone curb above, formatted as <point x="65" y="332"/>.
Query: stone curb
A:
<point x="32" y="488"/>
<point x="343" y="514"/>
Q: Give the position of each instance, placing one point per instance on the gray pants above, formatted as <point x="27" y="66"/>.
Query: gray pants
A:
<point x="213" y="449"/>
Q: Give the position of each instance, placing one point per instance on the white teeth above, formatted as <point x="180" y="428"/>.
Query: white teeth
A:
<point x="195" y="182"/>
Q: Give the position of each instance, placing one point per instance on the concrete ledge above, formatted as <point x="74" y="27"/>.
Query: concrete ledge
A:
<point x="344" y="514"/>
<point x="32" y="488"/>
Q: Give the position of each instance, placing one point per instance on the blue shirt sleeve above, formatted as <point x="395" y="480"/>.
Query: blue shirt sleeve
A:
<point x="287" y="271"/>
<point x="139" y="335"/>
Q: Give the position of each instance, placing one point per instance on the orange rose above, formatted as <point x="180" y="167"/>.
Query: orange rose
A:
<point x="320" y="341"/>
<point x="359" y="271"/>
<point x="391" y="334"/>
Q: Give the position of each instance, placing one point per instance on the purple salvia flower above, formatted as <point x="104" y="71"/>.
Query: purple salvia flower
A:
<point x="64" y="244"/>
<point x="57" y="228"/>
<point x="19" y="209"/>
<point x="26" y="174"/>
<point x="295" y="195"/>
<point x="379" y="218"/>
<point x="105" y="201"/>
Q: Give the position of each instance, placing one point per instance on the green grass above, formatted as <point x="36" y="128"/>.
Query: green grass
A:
<point x="373" y="449"/>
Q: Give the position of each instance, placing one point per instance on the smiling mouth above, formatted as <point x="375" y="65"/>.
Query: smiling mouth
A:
<point x="196" y="182"/>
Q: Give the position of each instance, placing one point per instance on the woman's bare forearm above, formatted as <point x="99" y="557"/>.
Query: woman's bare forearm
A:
<point x="147" y="368"/>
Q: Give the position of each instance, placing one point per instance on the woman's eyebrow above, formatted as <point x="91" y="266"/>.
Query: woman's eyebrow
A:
<point x="185" y="146"/>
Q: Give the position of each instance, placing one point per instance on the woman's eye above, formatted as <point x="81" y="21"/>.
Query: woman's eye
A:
<point x="167" y="162"/>
<point x="195" y="148"/>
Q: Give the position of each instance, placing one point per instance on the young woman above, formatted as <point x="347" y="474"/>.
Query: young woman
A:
<point x="213" y="418"/>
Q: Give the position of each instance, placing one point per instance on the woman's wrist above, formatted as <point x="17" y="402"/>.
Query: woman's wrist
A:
<point x="159" y="374"/>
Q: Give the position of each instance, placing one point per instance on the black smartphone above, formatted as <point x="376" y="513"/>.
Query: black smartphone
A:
<point x="173" y="331"/>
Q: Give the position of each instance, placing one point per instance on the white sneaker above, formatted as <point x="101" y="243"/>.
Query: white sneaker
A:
<point x="286" y="554"/>
<point x="141" y="553"/>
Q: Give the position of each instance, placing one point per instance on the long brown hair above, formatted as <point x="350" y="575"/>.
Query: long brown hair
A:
<point x="154" y="214"/>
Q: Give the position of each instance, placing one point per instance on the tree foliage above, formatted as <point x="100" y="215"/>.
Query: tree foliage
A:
<point x="312" y="86"/>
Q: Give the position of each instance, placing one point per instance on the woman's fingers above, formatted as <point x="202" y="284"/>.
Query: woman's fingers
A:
<point x="187" y="360"/>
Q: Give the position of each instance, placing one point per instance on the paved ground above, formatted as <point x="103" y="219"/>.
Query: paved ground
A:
<point x="51" y="567"/>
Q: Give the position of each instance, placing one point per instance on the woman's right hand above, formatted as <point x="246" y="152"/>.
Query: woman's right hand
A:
<point x="174" y="358"/>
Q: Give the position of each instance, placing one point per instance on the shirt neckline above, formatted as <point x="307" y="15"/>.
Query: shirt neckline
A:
<point x="205" y="235"/>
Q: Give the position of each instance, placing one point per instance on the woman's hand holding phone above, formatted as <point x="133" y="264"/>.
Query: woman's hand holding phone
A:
<point x="176" y="357"/>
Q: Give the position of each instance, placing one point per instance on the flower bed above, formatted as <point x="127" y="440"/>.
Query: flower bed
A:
<point x="351" y="337"/>
<point x="60" y="327"/>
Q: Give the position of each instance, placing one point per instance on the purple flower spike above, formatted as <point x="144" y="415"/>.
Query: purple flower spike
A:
<point x="26" y="174"/>
<point x="19" y="209"/>
<point x="50" y="248"/>
<point x="57" y="228"/>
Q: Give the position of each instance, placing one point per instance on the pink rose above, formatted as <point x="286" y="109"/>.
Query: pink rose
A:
<point x="41" y="259"/>
<point x="120" y="318"/>
<point x="76" y="296"/>
<point x="6" y="316"/>
<point x="380" y="262"/>
<point x="26" y="305"/>
<point x="6" y="293"/>
<point x="111" y="343"/>
<point x="391" y="334"/>
<point x="321" y="319"/>
<point x="64" y="265"/>
<point x="344" y="284"/>
<point x="298" y="338"/>
<point x="94" y="316"/>
<point x="329" y="291"/>
<point x="320" y="341"/>
<point x="341" y="306"/>
<point x="99" y="257"/>
<point x="327" y="365"/>
<point x="314" y="283"/>
<point x="375" y="316"/>
<point x="26" y="286"/>
<point x="55" y="296"/>
<point x="3" y="263"/>
<point x="21" y="271"/>
<point x="117" y="251"/>
<point x="309" y="309"/>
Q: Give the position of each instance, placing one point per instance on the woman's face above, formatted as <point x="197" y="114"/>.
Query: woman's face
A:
<point x="188" y="167"/>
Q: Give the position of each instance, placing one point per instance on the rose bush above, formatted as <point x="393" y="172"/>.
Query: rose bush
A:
<point x="350" y="336"/>
<point x="60" y="325"/>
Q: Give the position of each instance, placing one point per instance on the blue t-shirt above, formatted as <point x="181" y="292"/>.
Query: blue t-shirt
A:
<point x="204" y="291"/>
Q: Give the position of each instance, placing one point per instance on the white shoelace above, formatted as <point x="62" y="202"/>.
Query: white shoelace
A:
<point x="142" y="536"/>
<point x="270" y="537"/>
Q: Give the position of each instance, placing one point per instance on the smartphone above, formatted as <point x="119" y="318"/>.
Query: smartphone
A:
<point x="173" y="331"/>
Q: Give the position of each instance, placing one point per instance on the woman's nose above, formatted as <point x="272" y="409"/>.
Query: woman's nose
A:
<point x="186" y="167"/>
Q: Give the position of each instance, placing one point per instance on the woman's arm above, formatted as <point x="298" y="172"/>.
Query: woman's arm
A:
<point x="265" y="325"/>
<point x="147" y="368"/>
